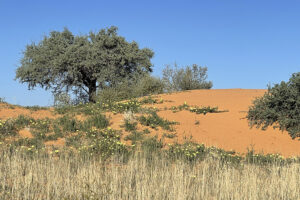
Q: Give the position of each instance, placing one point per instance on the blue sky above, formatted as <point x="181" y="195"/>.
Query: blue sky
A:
<point x="244" y="44"/>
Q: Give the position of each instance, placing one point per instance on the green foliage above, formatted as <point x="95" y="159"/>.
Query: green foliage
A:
<point x="146" y="131"/>
<point x="149" y="85"/>
<point x="150" y="100"/>
<point x="169" y="135"/>
<point x="137" y="86"/>
<point x="104" y="143"/>
<point x="121" y="107"/>
<point x="42" y="125"/>
<point x="99" y="121"/>
<point x="74" y="141"/>
<point x="252" y="157"/>
<point x="35" y="108"/>
<point x="21" y="121"/>
<point x="68" y="124"/>
<point x="135" y="136"/>
<point x="196" y="109"/>
<point x="132" y="105"/>
<point x="153" y="120"/>
<point x="31" y="144"/>
<point x="82" y="64"/>
<point x="279" y="107"/>
<point x="2" y="100"/>
<point x="188" y="78"/>
<point x="129" y="126"/>
<point x="7" y="128"/>
<point x="152" y="144"/>
<point x="188" y="151"/>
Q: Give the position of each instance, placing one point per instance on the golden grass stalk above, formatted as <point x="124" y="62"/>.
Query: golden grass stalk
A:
<point x="71" y="177"/>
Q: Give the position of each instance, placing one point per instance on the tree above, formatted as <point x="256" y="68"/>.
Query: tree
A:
<point x="188" y="78"/>
<point x="82" y="64"/>
<point x="279" y="107"/>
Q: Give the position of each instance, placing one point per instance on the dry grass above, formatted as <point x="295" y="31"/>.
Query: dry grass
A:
<point x="129" y="116"/>
<point x="71" y="177"/>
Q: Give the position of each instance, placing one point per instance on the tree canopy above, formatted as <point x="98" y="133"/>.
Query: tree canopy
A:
<point x="63" y="62"/>
<point x="279" y="107"/>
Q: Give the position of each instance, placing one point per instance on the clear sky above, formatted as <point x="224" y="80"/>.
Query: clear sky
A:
<point x="244" y="44"/>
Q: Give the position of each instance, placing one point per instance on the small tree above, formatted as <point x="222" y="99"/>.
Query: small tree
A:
<point x="188" y="78"/>
<point x="82" y="64"/>
<point x="279" y="107"/>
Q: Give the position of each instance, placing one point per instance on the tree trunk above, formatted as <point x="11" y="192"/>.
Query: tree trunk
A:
<point x="92" y="92"/>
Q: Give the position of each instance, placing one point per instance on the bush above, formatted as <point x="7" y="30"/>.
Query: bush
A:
<point x="2" y="100"/>
<point x="149" y="85"/>
<point x="139" y="86"/>
<point x="189" y="78"/>
<point x="279" y="107"/>
<point x="153" y="120"/>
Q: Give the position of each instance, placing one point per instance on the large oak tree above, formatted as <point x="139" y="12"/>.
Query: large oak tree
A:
<point x="63" y="62"/>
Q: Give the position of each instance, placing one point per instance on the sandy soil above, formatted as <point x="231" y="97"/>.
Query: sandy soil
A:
<point x="227" y="130"/>
<point x="12" y="111"/>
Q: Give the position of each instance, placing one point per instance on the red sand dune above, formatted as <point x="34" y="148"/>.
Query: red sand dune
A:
<point x="227" y="130"/>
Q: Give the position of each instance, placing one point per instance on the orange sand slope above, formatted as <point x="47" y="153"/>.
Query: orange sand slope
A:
<point x="227" y="130"/>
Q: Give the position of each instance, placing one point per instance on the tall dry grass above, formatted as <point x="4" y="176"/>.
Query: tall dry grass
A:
<point x="142" y="177"/>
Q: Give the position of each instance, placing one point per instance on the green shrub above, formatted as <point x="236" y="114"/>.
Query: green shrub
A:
<point x="135" y="136"/>
<point x="7" y="128"/>
<point x="152" y="144"/>
<point x="140" y="85"/>
<point x="21" y="121"/>
<point x="169" y="135"/>
<point x="149" y="85"/>
<point x="196" y="109"/>
<point x="99" y="121"/>
<point x="35" y="108"/>
<point x="261" y="159"/>
<point x="129" y="126"/>
<point x="188" y="151"/>
<point x="279" y="107"/>
<point x="153" y="120"/>
<point x="32" y="143"/>
<point x="2" y="100"/>
<point x="103" y="143"/>
<point x="188" y="78"/>
<point x="68" y="124"/>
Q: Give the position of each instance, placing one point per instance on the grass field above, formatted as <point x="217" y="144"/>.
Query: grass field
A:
<point x="131" y="150"/>
<point x="142" y="176"/>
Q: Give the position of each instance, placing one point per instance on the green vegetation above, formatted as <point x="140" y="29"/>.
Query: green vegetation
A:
<point x="2" y="100"/>
<point x="91" y="68"/>
<point x="196" y="109"/>
<point x="7" y="128"/>
<point x="93" y="136"/>
<point x="36" y="108"/>
<point x="188" y="78"/>
<point x="104" y="80"/>
<point x="279" y="107"/>
<point x="83" y="64"/>
<point x="153" y="120"/>
<point x="136" y="86"/>
<point x="169" y="135"/>
<point x="95" y="152"/>
<point x="129" y="126"/>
